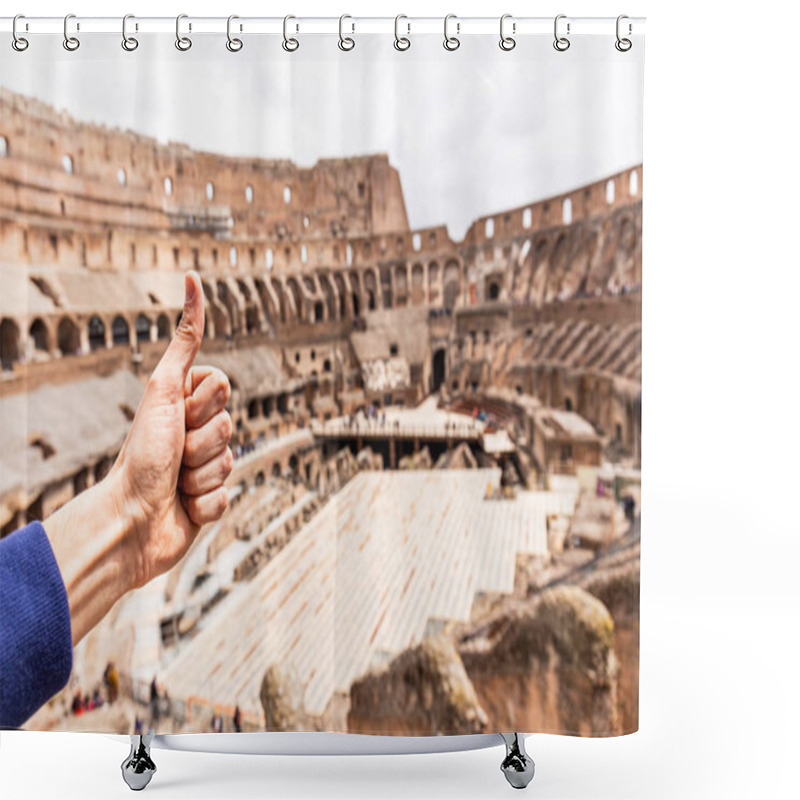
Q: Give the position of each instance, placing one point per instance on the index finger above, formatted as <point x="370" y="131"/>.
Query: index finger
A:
<point x="194" y="377"/>
<point x="211" y="395"/>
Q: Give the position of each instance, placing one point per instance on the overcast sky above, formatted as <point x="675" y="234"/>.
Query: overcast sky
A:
<point x="471" y="132"/>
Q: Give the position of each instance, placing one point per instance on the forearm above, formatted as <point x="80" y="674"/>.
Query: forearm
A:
<point x="91" y="539"/>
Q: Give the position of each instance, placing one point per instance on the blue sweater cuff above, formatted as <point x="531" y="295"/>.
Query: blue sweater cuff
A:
<point x="35" y="628"/>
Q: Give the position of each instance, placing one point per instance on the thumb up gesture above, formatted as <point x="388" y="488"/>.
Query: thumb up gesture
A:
<point x="175" y="458"/>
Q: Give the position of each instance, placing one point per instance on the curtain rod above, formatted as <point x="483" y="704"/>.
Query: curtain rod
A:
<point x="460" y="26"/>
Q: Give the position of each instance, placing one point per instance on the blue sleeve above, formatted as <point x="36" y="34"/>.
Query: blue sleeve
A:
<point x="35" y="628"/>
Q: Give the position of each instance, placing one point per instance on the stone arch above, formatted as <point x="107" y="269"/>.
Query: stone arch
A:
<point x="219" y="319"/>
<point x="143" y="327"/>
<point x="371" y="289"/>
<point x="438" y="369"/>
<point x="418" y="284"/>
<point x="97" y="333"/>
<point x="433" y="283"/>
<point x="296" y="293"/>
<point x="356" y="295"/>
<point x="282" y="303"/>
<point x="68" y="337"/>
<point x="268" y="308"/>
<point x="252" y="318"/>
<point x="330" y="296"/>
<point x="319" y="311"/>
<point x="401" y="285"/>
<point x="40" y="335"/>
<point x="9" y="343"/>
<point x="120" y="331"/>
<point x="163" y="327"/>
<point x="228" y="300"/>
<point x="341" y="291"/>
<point x="452" y="284"/>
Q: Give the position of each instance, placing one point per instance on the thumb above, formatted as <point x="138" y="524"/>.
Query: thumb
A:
<point x="183" y="348"/>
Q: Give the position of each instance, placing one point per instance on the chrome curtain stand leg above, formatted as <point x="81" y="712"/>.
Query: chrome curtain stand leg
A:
<point x="138" y="768"/>
<point x="517" y="766"/>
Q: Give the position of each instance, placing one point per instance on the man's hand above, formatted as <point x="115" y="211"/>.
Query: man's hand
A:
<point x="175" y="458"/>
<point x="167" y="481"/>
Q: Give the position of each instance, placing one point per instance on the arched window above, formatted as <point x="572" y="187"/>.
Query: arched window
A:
<point x="287" y="194"/>
<point x="119" y="331"/>
<point x="566" y="211"/>
<point x="168" y="185"/>
<point x="3" y="147"/>
<point x="67" y="162"/>
<point x="416" y="241"/>
<point x="9" y="343"/>
<point x="233" y="256"/>
<point x="270" y="259"/>
<point x="97" y="333"/>
<point x="304" y="254"/>
<point x="610" y="189"/>
<point x="633" y="184"/>
<point x="248" y="193"/>
<point x="122" y="177"/>
<point x="527" y="218"/>
<point x="68" y="337"/>
<point x="40" y="336"/>
<point x="142" y="328"/>
<point x="349" y="255"/>
<point x="163" y="326"/>
<point x="489" y="228"/>
<point x="209" y="191"/>
<point x="306" y="221"/>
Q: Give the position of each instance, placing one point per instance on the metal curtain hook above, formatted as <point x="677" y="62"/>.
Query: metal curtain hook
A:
<point x="561" y="43"/>
<point x="451" y="42"/>
<point x="345" y="42"/>
<point x="507" y="42"/>
<point x="233" y="44"/>
<point x="19" y="43"/>
<point x="623" y="45"/>
<point x="70" y="42"/>
<point x="290" y="44"/>
<point x="129" y="43"/>
<point x="183" y="43"/>
<point x="401" y="42"/>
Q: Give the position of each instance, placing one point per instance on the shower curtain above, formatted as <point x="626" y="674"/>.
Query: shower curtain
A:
<point x="421" y="279"/>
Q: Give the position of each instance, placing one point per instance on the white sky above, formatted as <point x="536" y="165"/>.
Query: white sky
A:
<point x="471" y="132"/>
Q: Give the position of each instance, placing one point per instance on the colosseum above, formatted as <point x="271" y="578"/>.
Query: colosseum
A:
<point x="430" y="435"/>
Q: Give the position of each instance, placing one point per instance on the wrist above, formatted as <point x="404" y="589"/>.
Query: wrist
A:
<point x="91" y="537"/>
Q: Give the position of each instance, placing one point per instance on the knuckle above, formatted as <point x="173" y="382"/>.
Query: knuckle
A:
<point x="226" y="426"/>
<point x="190" y="450"/>
<point x="222" y="388"/>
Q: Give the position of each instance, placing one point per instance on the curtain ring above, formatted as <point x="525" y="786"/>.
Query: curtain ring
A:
<point x="561" y="43"/>
<point x="346" y="43"/>
<point x="233" y="44"/>
<point x="290" y="44"/>
<point x="507" y="42"/>
<point x="401" y="43"/>
<point x="129" y="43"/>
<point x="71" y="43"/>
<point x="623" y="45"/>
<point x="451" y="42"/>
<point x="19" y="43"/>
<point x="183" y="43"/>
